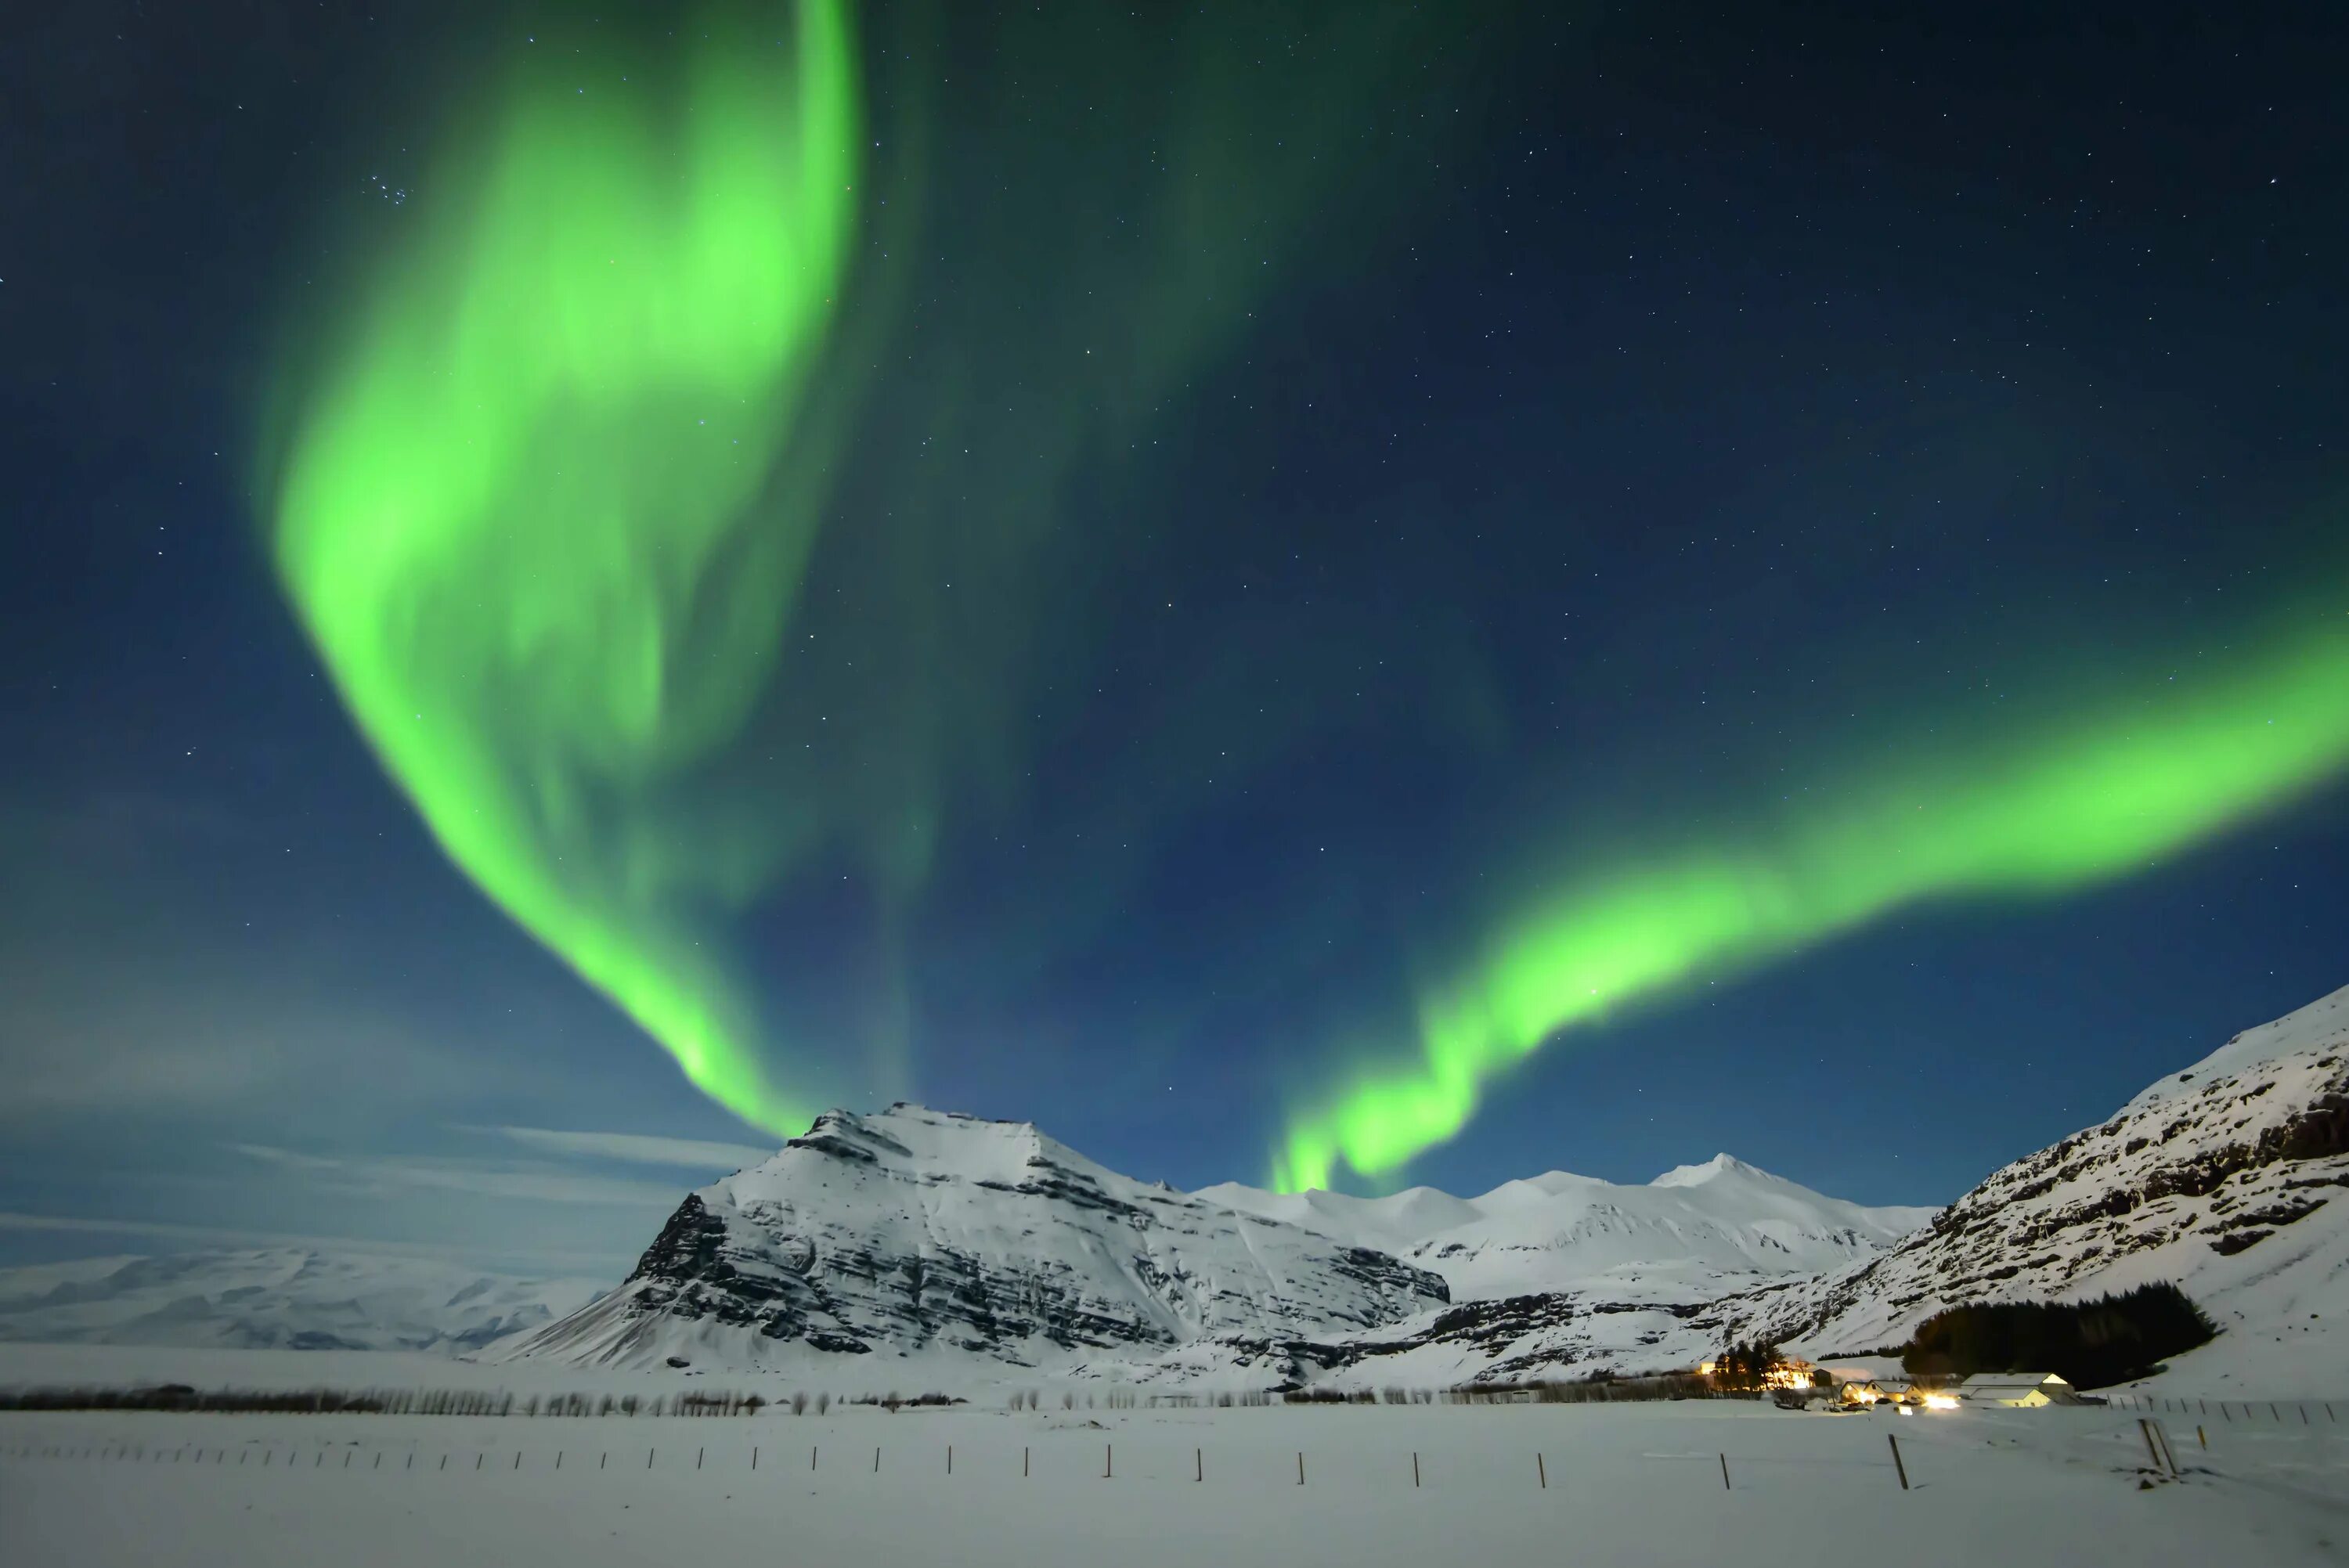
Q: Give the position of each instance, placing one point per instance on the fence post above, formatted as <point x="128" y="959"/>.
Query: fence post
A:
<point x="949" y="1459"/>
<point x="649" y="1459"/>
<point x="877" y="1460"/>
<point x="2202" y="1436"/>
<point x="1724" y="1470"/>
<point x="1300" y="1467"/>
<point x="1901" y="1469"/>
<point x="1415" y="1466"/>
<point x="517" y="1464"/>
<point x="1541" y="1470"/>
<point x="1109" y="1454"/>
<point x="1023" y="1463"/>
<point x="1199" y="1464"/>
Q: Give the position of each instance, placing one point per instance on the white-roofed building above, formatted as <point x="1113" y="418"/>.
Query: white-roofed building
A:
<point x="2016" y="1390"/>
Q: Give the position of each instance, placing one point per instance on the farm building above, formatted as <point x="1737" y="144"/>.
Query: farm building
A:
<point x="2016" y="1389"/>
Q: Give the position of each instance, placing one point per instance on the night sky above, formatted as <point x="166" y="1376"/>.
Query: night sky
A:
<point x="1295" y="593"/>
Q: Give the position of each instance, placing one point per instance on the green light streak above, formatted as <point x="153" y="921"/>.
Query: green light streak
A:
<point x="2081" y="800"/>
<point x="519" y="513"/>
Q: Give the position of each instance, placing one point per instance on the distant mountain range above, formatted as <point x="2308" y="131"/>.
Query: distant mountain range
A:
<point x="282" y="1298"/>
<point x="1709" y="1225"/>
<point x="947" y="1249"/>
<point x="916" y="1248"/>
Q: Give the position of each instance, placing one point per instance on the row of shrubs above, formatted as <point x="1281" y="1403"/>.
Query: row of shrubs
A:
<point x="1601" y="1389"/>
<point x="415" y="1401"/>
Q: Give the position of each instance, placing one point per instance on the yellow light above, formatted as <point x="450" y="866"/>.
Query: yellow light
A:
<point x="1940" y="1401"/>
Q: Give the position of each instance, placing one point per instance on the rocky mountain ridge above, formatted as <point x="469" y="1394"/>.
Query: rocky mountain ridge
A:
<point x="950" y="1242"/>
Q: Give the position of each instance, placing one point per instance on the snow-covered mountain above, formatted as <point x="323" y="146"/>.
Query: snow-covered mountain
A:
<point x="1694" y="1233"/>
<point x="1561" y="1276"/>
<point x="916" y="1248"/>
<point x="940" y="1244"/>
<point x="2226" y="1179"/>
<point x="290" y="1298"/>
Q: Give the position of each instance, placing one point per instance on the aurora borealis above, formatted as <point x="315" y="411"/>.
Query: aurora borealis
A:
<point x="513" y="515"/>
<point x="1334" y="595"/>
<point x="2091" y="795"/>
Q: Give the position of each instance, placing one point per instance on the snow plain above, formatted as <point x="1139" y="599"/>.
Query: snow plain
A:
<point x="1625" y="1485"/>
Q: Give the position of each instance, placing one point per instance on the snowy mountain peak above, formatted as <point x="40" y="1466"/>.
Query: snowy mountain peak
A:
<point x="947" y="1142"/>
<point x="1713" y="1170"/>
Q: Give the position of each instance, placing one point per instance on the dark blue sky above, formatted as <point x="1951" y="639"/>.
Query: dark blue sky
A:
<point x="1613" y="406"/>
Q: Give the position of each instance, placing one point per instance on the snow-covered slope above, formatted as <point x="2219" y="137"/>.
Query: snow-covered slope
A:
<point x="2226" y="1179"/>
<point x="952" y="1244"/>
<point x="278" y="1298"/>
<point x="1694" y="1233"/>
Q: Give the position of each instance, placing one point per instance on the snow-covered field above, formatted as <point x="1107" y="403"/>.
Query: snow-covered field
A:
<point x="1631" y="1485"/>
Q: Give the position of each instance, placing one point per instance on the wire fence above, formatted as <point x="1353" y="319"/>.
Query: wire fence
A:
<point x="2142" y="1444"/>
<point x="2231" y="1412"/>
<point x="1200" y="1466"/>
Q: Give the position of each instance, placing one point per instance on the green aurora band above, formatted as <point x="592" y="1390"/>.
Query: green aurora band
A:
<point x="2090" y="797"/>
<point x="527" y="512"/>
